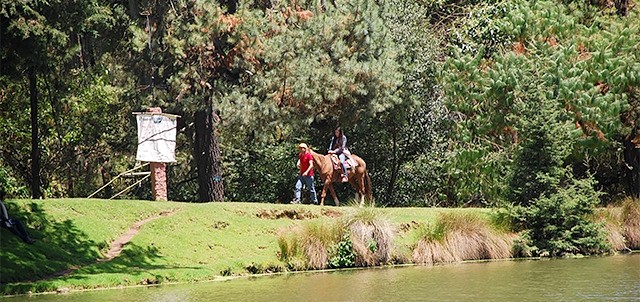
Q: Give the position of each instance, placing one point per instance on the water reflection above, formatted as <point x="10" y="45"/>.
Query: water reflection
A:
<point x="614" y="278"/>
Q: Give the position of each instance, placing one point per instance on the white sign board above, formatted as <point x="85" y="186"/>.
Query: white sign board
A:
<point x="156" y="137"/>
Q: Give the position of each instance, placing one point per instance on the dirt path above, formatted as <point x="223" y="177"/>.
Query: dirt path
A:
<point x="117" y="245"/>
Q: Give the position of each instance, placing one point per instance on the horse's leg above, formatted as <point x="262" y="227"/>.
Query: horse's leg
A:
<point x="323" y="194"/>
<point x="361" y="190"/>
<point x="355" y="183"/>
<point x="333" y="193"/>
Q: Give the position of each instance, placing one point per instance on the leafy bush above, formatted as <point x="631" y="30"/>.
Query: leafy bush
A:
<point x="561" y="223"/>
<point x="342" y="253"/>
<point x="10" y="185"/>
<point x="261" y="174"/>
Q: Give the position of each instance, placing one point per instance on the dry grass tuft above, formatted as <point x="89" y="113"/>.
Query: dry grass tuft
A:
<point x="305" y="247"/>
<point x="458" y="237"/>
<point x="631" y="223"/>
<point x="431" y="252"/>
<point x="316" y="253"/>
<point x="372" y="241"/>
<point x="372" y="237"/>
<point x="611" y="218"/>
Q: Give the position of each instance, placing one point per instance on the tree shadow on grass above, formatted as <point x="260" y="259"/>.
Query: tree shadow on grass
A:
<point x="62" y="250"/>
<point x="59" y="245"/>
<point x="134" y="261"/>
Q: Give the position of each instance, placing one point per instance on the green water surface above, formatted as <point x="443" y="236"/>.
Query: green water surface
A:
<point x="615" y="278"/>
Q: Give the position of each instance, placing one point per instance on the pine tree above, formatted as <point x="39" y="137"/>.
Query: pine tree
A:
<point x="588" y="66"/>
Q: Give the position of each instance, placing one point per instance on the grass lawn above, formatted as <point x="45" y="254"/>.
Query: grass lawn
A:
<point x="190" y="242"/>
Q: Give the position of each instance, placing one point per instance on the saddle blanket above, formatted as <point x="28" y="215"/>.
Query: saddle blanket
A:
<point x="349" y="163"/>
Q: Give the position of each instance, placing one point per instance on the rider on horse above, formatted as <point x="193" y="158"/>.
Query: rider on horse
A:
<point x="338" y="146"/>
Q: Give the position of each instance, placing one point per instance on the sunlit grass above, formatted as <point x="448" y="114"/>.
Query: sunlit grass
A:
<point x="209" y="241"/>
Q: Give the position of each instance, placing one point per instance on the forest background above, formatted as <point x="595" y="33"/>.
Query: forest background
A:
<point x="451" y="103"/>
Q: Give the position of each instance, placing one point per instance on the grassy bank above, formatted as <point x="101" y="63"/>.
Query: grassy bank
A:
<point x="182" y="242"/>
<point x="191" y="242"/>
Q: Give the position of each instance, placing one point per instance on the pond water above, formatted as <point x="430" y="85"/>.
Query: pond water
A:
<point x="615" y="278"/>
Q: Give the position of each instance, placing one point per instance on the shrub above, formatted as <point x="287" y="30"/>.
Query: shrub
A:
<point x="372" y="238"/>
<point x="342" y="253"/>
<point x="561" y="223"/>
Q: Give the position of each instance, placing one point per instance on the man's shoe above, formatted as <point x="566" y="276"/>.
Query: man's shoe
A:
<point x="345" y="179"/>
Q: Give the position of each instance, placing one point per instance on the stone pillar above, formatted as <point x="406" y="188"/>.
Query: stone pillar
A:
<point x="158" y="173"/>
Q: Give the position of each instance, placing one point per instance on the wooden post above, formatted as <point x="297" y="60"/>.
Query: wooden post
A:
<point x="158" y="173"/>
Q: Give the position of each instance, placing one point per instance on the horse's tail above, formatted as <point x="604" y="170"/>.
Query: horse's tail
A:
<point x="367" y="186"/>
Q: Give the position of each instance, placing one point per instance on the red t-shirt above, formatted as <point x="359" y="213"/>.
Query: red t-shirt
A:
<point x="305" y="159"/>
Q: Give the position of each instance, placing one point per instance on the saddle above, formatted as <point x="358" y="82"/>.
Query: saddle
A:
<point x="348" y="163"/>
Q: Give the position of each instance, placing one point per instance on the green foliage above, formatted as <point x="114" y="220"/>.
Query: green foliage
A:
<point x="538" y="165"/>
<point x="264" y="174"/>
<point x="560" y="223"/>
<point x="68" y="47"/>
<point x="586" y="71"/>
<point x="480" y="31"/>
<point x="295" y="70"/>
<point x="412" y="130"/>
<point x="10" y="185"/>
<point x="474" y="174"/>
<point x="334" y="64"/>
<point x="342" y="254"/>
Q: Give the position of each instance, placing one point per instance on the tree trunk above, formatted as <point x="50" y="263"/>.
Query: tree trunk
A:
<point x="134" y="12"/>
<point x="394" y="162"/>
<point x="35" y="152"/>
<point x="632" y="163"/>
<point x="208" y="158"/>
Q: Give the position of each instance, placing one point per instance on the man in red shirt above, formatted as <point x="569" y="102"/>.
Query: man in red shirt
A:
<point x="305" y="164"/>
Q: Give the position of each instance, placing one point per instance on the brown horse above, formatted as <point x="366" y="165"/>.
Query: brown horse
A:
<point x="358" y="177"/>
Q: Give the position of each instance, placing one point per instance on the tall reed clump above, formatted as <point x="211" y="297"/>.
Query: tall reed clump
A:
<point x="372" y="237"/>
<point x="361" y="239"/>
<point x="631" y="223"/>
<point x="611" y="220"/>
<point x="461" y="236"/>
<point x="305" y="246"/>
